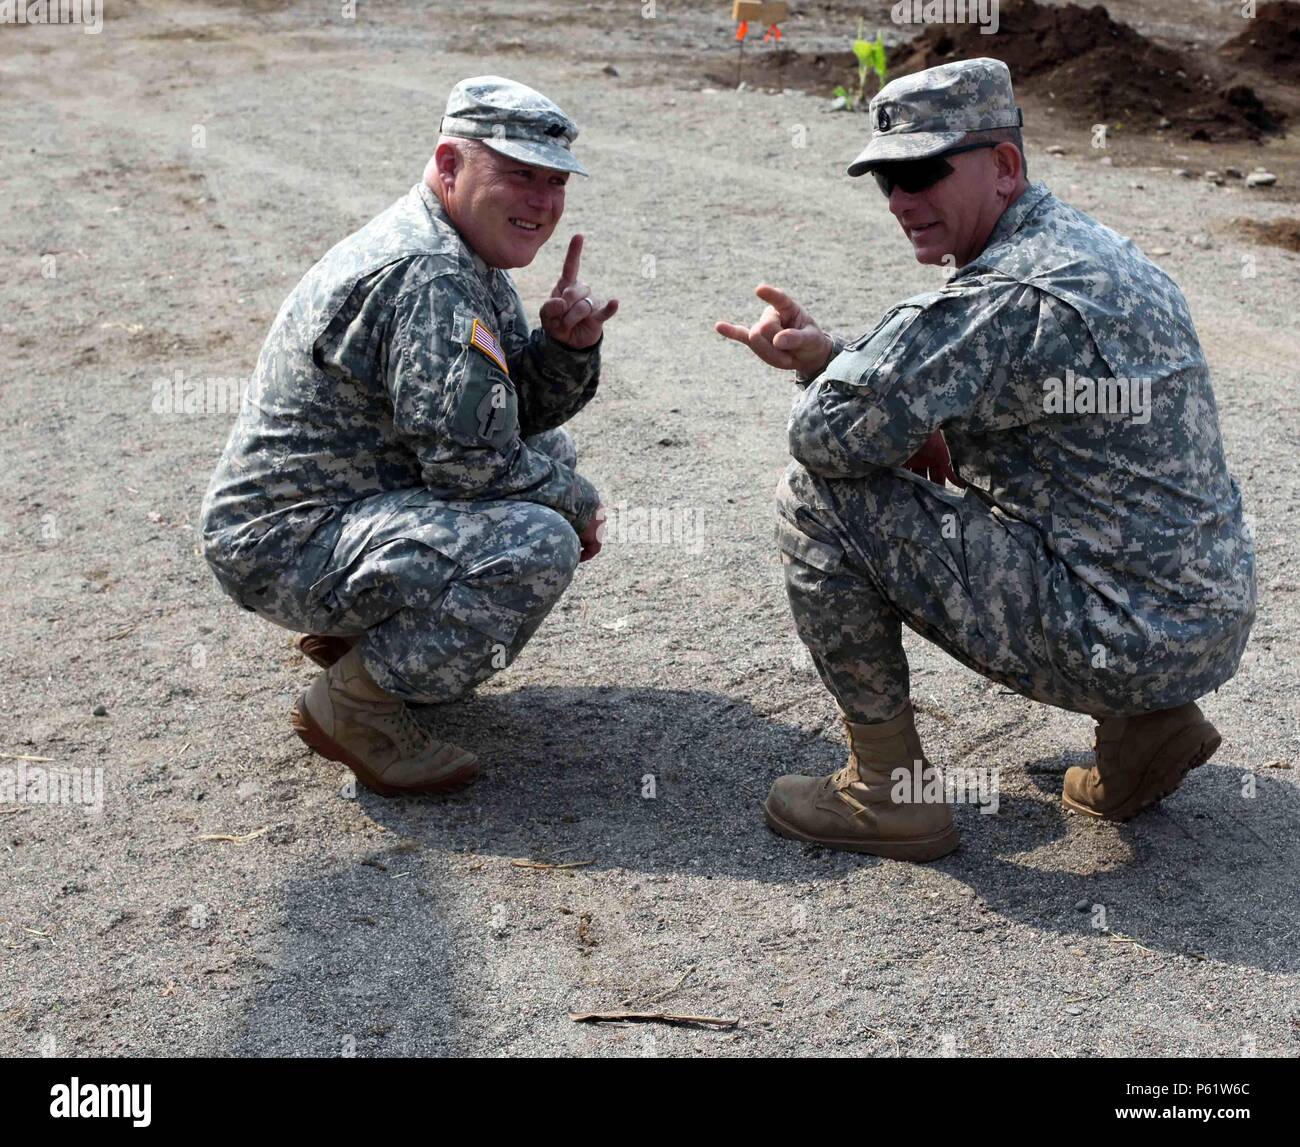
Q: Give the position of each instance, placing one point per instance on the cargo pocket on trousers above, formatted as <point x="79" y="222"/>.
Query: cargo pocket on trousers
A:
<point x="794" y="543"/>
<point x="477" y="608"/>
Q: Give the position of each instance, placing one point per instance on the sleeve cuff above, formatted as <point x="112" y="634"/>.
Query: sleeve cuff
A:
<point x="586" y="501"/>
<point x="552" y="348"/>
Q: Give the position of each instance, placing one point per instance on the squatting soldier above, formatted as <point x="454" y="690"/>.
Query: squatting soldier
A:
<point x="1095" y="557"/>
<point x="397" y="486"/>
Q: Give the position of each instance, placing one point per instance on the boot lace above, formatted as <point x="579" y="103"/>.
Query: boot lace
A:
<point x="840" y="783"/>
<point x="410" y="739"/>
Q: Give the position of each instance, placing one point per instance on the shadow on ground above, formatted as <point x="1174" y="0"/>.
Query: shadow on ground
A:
<point x="567" y="777"/>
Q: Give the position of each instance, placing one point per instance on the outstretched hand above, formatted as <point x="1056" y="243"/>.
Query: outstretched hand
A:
<point x="571" y="316"/>
<point x="785" y="335"/>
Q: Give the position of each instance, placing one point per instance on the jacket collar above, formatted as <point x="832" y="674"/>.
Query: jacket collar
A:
<point x="1013" y="218"/>
<point x="435" y="208"/>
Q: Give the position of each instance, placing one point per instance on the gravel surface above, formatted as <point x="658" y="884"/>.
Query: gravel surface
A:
<point x="640" y="730"/>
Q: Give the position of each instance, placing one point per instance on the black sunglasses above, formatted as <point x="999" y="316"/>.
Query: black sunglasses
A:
<point x="914" y="175"/>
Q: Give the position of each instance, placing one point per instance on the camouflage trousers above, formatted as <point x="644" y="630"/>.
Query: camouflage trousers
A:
<point x="444" y="593"/>
<point x="864" y="556"/>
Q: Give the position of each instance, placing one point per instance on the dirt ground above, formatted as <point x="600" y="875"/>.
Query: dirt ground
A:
<point x="166" y="182"/>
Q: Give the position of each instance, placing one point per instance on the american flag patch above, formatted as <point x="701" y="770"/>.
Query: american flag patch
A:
<point x="481" y="337"/>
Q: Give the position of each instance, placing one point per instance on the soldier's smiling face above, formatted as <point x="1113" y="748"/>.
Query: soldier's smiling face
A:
<point x="956" y="215"/>
<point x="504" y="209"/>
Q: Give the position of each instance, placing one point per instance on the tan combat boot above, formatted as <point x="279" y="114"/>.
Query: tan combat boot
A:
<point x="1140" y="761"/>
<point x="323" y="649"/>
<point x="854" y="809"/>
<point x="344" y="716"/>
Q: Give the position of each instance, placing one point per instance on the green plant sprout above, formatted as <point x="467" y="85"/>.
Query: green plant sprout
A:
<point x="871" y="57"/>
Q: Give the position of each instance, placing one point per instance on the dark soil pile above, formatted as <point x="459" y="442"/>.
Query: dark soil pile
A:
<point x="1283" y="233"/>
<point x="1271" y="42"/>
<point x="1100" y="71"/>
<point x="1095" y="69"/>
<point x="765" y="67"/>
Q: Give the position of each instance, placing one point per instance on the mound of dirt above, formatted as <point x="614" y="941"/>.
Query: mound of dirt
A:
<point x="1099" y="70"/>
<point x="766" y="67"/>
<point x="1284" y="233"/>
<point x="1271" y="41"/>
<point x="1096" y="70"/>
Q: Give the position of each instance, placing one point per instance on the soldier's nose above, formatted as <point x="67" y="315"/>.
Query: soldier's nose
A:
<point x="551" y="205"/>
<point x="900" y="201"/>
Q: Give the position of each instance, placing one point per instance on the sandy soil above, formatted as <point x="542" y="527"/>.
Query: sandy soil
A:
<point x="333" y="925"/>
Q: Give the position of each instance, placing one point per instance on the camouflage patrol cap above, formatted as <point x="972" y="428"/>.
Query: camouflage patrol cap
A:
<point x="512" y="119"/>
<point x="924" y="114"/>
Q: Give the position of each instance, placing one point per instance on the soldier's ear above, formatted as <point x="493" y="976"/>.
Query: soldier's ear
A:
<point x="447" y="163"/>
<point x="1009" y="167"/>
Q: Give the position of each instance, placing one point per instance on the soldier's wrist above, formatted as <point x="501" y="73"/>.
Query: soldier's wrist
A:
<point x="580" y="351"/>
<point x="836" y="345"/>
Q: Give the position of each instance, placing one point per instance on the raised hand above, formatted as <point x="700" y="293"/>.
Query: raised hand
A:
<point x="785" y="335"/>
<point x="571" y="315"/>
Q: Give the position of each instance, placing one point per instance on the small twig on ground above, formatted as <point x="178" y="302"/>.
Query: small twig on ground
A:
<point x="1130" y="940"/>
<point x="664" y="995"/>
<point x="550" y="867"/>
<point x="233" y="839"/>
<point x="932" y="708"/>
<point x="23" y="757"/>
<point x="651" y="1017"/>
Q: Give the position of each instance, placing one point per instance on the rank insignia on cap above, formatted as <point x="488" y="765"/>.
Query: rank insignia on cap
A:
<point x="882" y="120"/>
<point x="485" y="341"/>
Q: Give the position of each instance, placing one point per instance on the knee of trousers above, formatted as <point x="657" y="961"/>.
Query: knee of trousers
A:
<point x="495" y="602"/>
<point x="535" y="564"/>
<point x="557" y="443"/>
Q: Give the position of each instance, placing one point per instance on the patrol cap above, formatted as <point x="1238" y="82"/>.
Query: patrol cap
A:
<point x="512" y="119"/>
<point x="924" y="114"/>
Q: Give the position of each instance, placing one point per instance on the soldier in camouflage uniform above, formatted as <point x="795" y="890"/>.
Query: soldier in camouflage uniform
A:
<point x="398" y="486"/>
<point x="1092" y="552"/>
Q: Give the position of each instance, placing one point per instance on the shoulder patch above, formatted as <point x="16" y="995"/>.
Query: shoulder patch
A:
<point x="485" y="341"/>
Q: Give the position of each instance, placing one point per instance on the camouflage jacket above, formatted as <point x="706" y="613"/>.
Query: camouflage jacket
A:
<point x="400" y="360"/>
<point x="1066" y="375"/>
